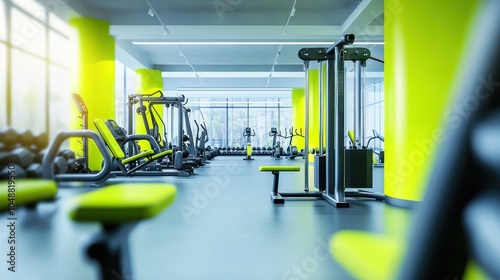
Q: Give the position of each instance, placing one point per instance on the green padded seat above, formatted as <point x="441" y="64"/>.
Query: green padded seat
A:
<point x="366" y="255"/>
<point x="279" y="168"/>
<point x="275" y="195"/>
<point x="122" y="203"/>
<point x="27" y="191"/>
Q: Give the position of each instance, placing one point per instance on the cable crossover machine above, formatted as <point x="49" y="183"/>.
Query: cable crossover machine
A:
<point x="341" y="167"/>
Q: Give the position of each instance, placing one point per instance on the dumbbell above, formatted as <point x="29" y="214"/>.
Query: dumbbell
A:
<point x="8" y="137"/>
<point x="20" y="156"/>
<point x="40" y="141"/>
<point x="77" y="166"/>
<point x="12" y="170"/>
<point x="26" y="138"/>
<point x="67" y="154"/>
<point x="60" y="165"/>
<point x="35" y="170"/>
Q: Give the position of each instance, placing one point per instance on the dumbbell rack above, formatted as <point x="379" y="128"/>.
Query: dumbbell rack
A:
<point x="82" y="109"/>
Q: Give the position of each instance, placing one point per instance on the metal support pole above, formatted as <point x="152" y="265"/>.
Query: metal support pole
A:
<point x="180" y="124"/>
<point x="306" y="135"/>
<point x="321" y="102"/>
<point x="339" y="194"/>
<point x="359" y="113"/>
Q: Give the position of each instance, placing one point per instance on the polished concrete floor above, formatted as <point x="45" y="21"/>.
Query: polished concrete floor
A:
<point x="222" y="225"/>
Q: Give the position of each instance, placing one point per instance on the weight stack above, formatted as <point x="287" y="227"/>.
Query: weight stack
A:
<point x="320" y="172"/>
<point x="358" y="168"/>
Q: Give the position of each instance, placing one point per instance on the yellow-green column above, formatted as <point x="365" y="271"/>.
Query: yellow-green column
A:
<point x="298" y="115"/>
<point x="148" y="81"/>
<point x="93" y="77"/>
<point x="423" y="45"/>
<point x="313" y="83"/>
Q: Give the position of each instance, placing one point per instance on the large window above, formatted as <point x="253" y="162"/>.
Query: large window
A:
<point x="3" y="89"/>
<point x="375" y="112"/>
<point x="58" y="105"/>
<point x="120" y="101"/>
<point x="3" y="23"/>
<point x="28" y="88"/>
<point x="39" y="92"/>
<point x="227" y="118"/>
<point x="125" y="84"/>
<point x="27" y="32"/>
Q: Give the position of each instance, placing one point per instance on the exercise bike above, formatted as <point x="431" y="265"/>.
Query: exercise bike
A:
<point x="248" y="134"/>
<point x="292" y="151"/>
<point x="277" y="149"/>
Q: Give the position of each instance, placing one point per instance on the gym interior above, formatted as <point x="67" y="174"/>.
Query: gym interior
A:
<point x="235" y="139"/>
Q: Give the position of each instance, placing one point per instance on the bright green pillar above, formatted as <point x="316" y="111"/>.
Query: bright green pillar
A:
<point x="424" y="41"/>
<point x="313" y="83"/>
<point x="93" y="77"/>
<point x="298" y="115"/>
<point x="148" y="81"/>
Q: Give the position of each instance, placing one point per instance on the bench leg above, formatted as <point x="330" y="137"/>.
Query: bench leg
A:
<point x="110" y="249"/>
<point x="275" y="196"/>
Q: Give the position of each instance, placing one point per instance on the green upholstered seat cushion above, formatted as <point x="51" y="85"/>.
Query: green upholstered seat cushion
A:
<point x="279" y="168"/>
<point x="137" y="156"/>
<point x="366" y="255"/>
<point x="26" y="191"/>
<point x="162" y="154"/>
<point x="122" y="203"/>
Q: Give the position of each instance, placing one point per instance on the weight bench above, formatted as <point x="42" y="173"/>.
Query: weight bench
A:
<point x="275" y="195"/>
<point x="118" y="208"/>
<point x="25" y="192"/>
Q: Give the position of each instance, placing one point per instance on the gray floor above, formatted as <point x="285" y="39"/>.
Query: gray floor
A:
<point x="222" y="226"/>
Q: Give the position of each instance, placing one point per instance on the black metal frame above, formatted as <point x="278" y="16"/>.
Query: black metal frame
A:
<point x="335" y="56"/>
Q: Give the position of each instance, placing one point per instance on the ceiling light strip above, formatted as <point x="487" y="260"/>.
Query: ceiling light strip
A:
<point x="167" y="32"/>
<point x="158" y="17"/>
<point x="292" y="13"/>
<point x="250" y="43"/>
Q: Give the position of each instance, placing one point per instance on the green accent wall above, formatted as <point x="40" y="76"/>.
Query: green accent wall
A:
<point x="298" y="115"/>
<point x="424" y="43"/>
<point x="313" y="81"/>
<point x="93" y="77"/>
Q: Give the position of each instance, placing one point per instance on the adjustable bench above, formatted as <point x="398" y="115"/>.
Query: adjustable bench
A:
<point x="118" y="208"/>
<point x="275" y="195"/>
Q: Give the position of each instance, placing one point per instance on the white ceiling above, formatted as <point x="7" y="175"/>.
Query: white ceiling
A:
<point x="191" y="22"/>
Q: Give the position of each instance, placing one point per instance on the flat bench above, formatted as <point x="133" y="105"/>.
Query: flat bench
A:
<point x="275" y="170"/>
<point x="25" y="192"/>
<point x="118" y="208"/>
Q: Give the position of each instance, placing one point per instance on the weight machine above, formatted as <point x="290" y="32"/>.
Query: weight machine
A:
<point x="333" y="188"/>
<point x="153" y="130"/>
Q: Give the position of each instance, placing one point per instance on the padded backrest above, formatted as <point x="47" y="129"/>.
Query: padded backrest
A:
<point x="112" y="144"/>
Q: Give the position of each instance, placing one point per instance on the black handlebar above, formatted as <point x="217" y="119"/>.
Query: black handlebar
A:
<point x="344" y="40"/>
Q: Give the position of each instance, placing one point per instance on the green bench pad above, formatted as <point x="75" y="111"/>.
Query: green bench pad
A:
<point x="279" y="168"/>
<point x="162" y="154"/>
<point x="138" y="156"/>
<point x="122" y="203"/>
<point x="27" y="191"/>
<point x="366" y="255"/>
